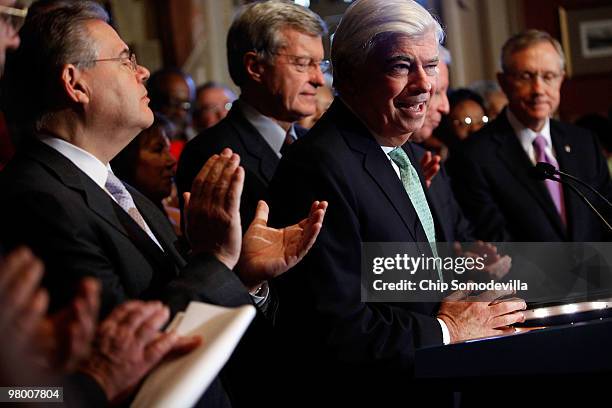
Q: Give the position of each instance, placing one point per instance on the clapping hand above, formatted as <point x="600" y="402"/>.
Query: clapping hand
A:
<point x="268" y="252"/>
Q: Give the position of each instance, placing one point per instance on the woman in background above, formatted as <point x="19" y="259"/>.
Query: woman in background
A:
<point x="147" y="165"/>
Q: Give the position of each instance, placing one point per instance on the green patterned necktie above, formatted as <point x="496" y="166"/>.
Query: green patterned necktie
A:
<point x="412" y="185"/>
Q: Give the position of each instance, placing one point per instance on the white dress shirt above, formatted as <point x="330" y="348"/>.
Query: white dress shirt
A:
<point x="270" y="130"/>
<point x="526" y="136"/>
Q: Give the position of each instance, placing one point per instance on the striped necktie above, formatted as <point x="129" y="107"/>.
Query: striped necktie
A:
<point x="123" y="197"/>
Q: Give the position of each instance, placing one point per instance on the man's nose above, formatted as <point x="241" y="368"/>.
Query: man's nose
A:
<point x="143" y="73"/>
<point x="316" y="77"/>
<point x="421" y="82"/>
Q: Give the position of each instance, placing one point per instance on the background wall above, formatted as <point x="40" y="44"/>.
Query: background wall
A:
<point x="580" y="94"/>
<point x="191" y="34"/>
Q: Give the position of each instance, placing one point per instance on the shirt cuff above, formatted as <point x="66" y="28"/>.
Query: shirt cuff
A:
<point x="445" y="332"/>
<point x="261" y="295"/>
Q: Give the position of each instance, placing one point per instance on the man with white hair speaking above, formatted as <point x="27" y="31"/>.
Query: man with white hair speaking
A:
<point x="385" y="57"/>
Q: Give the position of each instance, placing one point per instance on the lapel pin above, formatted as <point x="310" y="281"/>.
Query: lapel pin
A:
<point x="568" y="148"/>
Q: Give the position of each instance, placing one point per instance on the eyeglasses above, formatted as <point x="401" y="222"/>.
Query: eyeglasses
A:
<point x="215" y="108"/>
<point x="13" y="17"/>
<point x="469" y="122"/>
<point x="303" y="64"/>
<point x="178" y="104"/>
<point x="129" y="61"/>
<point x="527" y="77"/>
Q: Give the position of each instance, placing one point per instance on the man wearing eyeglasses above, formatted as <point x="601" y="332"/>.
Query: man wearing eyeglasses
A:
<point x="275" y="56"/>
<point x="77" y="85"/>
<point x="493" y="180"/>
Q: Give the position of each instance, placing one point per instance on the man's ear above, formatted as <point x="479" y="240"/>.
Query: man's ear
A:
<point x="254" y="66"/>
<point x="74" y="84"/>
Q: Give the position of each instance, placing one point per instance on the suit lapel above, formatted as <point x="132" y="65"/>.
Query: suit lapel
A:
<point x="511" y="153"/>
<point x="255" y="144"/>
<point x="379" y="167"/>
<point x="100" y="202"/>
<point x="96" y="198"/>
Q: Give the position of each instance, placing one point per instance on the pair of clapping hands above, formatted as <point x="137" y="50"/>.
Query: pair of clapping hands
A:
<point x="213" y="225"/>
<point x="129" y="343"/>
<point x="37" y="348"/>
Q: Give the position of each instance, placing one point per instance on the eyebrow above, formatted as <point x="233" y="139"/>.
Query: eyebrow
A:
<point x="407" y="58"/>
<point x="397" y="58"/>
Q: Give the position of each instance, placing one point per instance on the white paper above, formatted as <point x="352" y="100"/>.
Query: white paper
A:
<point x="181" y="382"/>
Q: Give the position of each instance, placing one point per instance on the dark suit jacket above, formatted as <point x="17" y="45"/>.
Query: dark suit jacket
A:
<point x="78" y="230"/>
<point x="492" y="182"/>
<point x="451" y="224"/>
<point x="256" y="157"/>
<point x="322" y="315"/>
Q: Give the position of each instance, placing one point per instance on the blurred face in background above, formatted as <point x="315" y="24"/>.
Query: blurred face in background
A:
<point x="324" y="98"/>
<point x="533" y="84"/>
<point x="437" y="107"/>
<point x="177" y="107"/>
<point x="9" y="27"/>
<point x="213" y="104"/>
<point x="466" y="118"/>
<point x="496" y="101"/>
<point x="155" y="167"/>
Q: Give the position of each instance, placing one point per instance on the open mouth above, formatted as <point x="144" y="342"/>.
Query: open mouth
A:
<point x="412" y="107"/>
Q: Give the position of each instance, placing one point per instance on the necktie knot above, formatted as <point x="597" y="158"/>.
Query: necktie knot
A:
<point x="540" y="142"/>
<point x="399" y="156"/>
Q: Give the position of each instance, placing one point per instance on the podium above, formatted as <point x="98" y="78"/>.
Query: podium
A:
<point x="573" y="350"/>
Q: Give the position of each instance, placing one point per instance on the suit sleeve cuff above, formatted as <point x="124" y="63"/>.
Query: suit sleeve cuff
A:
<point x="445" y="332"/>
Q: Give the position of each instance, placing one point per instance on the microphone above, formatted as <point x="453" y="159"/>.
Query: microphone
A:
<point x="543" y="171"/>
<point x="547" y="170"/>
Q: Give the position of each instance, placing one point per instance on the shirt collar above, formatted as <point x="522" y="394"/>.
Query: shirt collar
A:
<point x="527" y="136"/>
<point x="85" y="161"/>
<point x="271" y="131"/>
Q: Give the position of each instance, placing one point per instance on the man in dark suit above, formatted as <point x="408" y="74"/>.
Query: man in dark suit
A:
<point x="61" y="198"/>
<point x="385" y="55"/>
<point x="492" y="177"/>
<point x="275" y="56"/>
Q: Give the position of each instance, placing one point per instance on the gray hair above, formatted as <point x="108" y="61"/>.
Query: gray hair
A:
<point x="526" y="39"/>
<point x="445" y="55"/>
<point x="257" y="27"/>
<point x="54" y="34"/>
<point x="367" y="24"/>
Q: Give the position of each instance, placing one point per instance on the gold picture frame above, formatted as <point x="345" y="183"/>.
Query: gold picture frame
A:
<point x="586" y="35"/>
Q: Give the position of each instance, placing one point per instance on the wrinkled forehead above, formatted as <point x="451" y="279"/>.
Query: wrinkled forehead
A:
<point x="389" y="45"/>
<point x="541" y="55"/>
